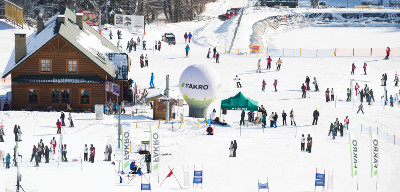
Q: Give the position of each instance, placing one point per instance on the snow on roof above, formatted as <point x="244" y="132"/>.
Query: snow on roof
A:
<point x="93" y="44"/>
<point x="158" y="92"/>
<point x="34" y="42"/>
<point x="121" y="63"/>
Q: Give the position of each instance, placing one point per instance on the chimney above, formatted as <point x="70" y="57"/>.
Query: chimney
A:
<point x="79" y="20"/>
<point x="60" y="19"/>
<point x="40" y="24"/>
<point x="20" y="46"/>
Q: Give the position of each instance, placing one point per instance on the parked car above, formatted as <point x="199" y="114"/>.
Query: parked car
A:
<point x="169" y="38"/>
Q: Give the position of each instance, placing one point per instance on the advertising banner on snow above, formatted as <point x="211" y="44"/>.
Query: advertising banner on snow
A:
<point x="126" y="146"/>
<point x="354" y="156"/>
<point x="374" y="153"/>
<point x="156" y="150"/>
<point x="92" y="18"/>
<point x="134" y="23"/>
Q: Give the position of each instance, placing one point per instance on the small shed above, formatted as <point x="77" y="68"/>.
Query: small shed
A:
<point x="156" y="97"/>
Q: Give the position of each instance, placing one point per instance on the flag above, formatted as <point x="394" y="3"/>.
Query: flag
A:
<point x="353" y="156"/>
<point x="170" y="173"/>
<point x="263" y="186"/>
<point x="374" y="153"/>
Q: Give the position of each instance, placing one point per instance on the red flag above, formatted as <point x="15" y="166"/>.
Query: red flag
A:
<point x="170" y="173"/>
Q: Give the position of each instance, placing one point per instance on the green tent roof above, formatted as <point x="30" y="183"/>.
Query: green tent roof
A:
<point x="239" y="102"/>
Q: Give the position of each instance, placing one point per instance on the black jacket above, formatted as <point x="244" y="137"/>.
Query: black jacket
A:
<point x="147" y="158"/>
<point x="242" y="115"/>
<point x="284" y="115"/>
<point x="316" y="114"/>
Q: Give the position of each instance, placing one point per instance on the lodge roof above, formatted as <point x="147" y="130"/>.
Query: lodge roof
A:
<point x="86" y="40"/>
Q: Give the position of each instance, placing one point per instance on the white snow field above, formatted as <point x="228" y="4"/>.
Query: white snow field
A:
<point x="270" y="153"/>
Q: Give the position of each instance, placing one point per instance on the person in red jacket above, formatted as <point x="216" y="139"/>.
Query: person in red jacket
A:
<point x="275" y="84"/>
<point x="217" y="58"/>
<point x="92" y="153"/>
<point x="387" y="53"/>
<point x="352" y="68"/>
<point x="303" y="89"/>
<point x="269" y="62"/>
<point x="356" y="87"/>
<point x="185" y="36"/>
<point x="58" y="126"/>
<point x="365" y="68"/>
<point x="309" y="143"/>
<point x="263" y="85"/>
<point x="210" y="130"/>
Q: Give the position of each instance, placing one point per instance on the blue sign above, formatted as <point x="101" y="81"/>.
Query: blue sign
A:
<point x="198" y="173"/>
<point x="146" y="187"/>
<point x="319" y="182"/>
<point x="197" y="180"/>
<point x="263" y="186"/>
<point x="320" y="176"/>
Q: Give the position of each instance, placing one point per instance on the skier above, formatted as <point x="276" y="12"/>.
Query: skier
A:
<point x="214" y="51"/>
<point x="92" y="153"/>
<point x="208" y="53"/>
<point x="362" y="95"/>
<point x="275" y="119"/>
<point x="264" y="119"/>
<point x="217" y="58"/>
<point x="279" y="63"/>
<point x="391" y="100"/>
<point x="315" y="115"/>
<point x="37" y="156"/>
<point x="146" y="61"/>
<point x="46" y="153"/>
<point x="64" y="153"/>
<point x="269" y="62"/>
<point x="19" y="133"/>
<point x="292" y="118"/>
<point x="234" y="148"/>
<point x="365" y="68"/>
<point x="303" y="90"/>
<point x="346" y="123"/>
<point x="271" y="119"/>
<point x="396" y="80"/>
<point x="231" y="149"/>
<point x="327" y="95"/>
<point x="341" y="129"/>
<point x="62" y="117"/>
<point x="85" y="153"/>
<point x="383" y="80"/>
<point x="8" y="160"/>
<point x="152" y="81"/>
<point x="275" y="84"/>
<point x="237" y="80"/>
<point x="1" y="133"/>
<point x="148" y="161"/>
<point x="352" y="68"/>
<point x="141" y="58"/>
<point x="348" y="94"/>
<point x="185" y="36"/>
<point x="309" y="143"/>
<point x="190" y="36"/>
<point x="284" y="115"/>
<point x="360" y="108"/>
<point x="144" y="45"/>
<point x="58" y="126"/>
<point x="71" y="123"/>
<point x="387" y="53"/>
<point x="263" y="85"/>
<point x="258" y="66"/>
<point x="187" y="49"/>
<point x="159" y="45"/>
<point x="242" y="118"/>
<point x="155" y="46"/>
<point x="210" y="130"/>
<point x="308" y="83"/>
<point x="332" y="95"/>
<point x="16" y="133"/>
<point x="134" y="46"/>
<point x="303" y="142"/>
<point x="34" y="150"/>
<point x="356" y="87"/>
<point x="316" y="84"/>
<point x="138" y="41"/>
<point x="106" y="153"/>
<point x="111" y="35"/>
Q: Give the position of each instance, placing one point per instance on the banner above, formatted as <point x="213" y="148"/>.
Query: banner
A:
<point x="198" y="177"/>
<point x="354" y="156"/>
<point x="90" y="17"/>
<point x="134" y="22"/>
<point x="156" y="151"/>
<point x="320" y="179"/>
<point x="14" y="13"/>
<point x="374" y="153"/>
<point x="126" y="146"/>
<point x="111" y="87"/>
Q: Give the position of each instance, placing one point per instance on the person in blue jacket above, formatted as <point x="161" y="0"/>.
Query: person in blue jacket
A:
<point x="8" y="159"/>
<point x="151" y="80"/>
<point x="187" y="48"/>
<point x="264" y="119"/>
<point x="391" y="100"/>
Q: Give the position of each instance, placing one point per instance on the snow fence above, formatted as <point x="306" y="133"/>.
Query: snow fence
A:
<point x="382" y="134"/>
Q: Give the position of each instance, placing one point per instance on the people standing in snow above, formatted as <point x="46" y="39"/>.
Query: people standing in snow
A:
<point x="62" y="117"/>
<point x="258" y="66"/>
<point x="365" y="68"/>
<point x="315" y="115"/>
<point x="360" y="108"/>
<point x="316" y="84"/>
<point x="303" y="142"/>
<point x="92" y="153"/>
<point x="303" y="90"/>
<point x="144" y="45"/>
<point x="309" y="143"/>
<point x="185" y="36"/>
<point x="16" y="132"/>
<point x="341" y="129"/>
<point x="147" y="159"/>
<point x="396" y="80"/>
<point x="146" y="61"/>
<point x="307" y="81"/>
<point x="332" y="95"/>
<point x="208" y="53"/>
<point x="275" y="119"/>
<point x="269" y="60"/>
<point x="187" y="49"/>
<point x="155" y="46"/>
<point x="19" y="133"/>
<point x="275" y="84"/>
<point x="141" y="60"/>
<point x="271" y="119"/>
<point x="37" y="156"/>
<point x="152" y="80"/>
<point x="8" y="160"/>
<point x="356" y="87"/>
<point x="242" y="118"/>
<point x="46" y="153"/>
<point x="214" y="51"/>
<point x="292" y="118"/>
<point x="234" y="148"/>
<point x="34" y="150"/>
<point x="237" y="81"/>
<point x="190" y="36"/>
<point x="387" y="53"/>
<point x="346" y="123"/>
<point x="327" y="95"/>
<point x="217" y="58"/>
<point x="110" y="34"/>
<point x="159" y="45"/>
<point x="58" y="123"/>
<point x="64" y="153"/>
<point x="263" y="85"/>
<point x="1" y="133"/>
<point x="106" y="153"/>
<point x="284" y="115"/>
<point x="278" y="63"/>
<point x="264" y="119"/>
<point x="353" y="67"/>
<point x="138" y="41"/>
<point x="85" y="153"/>
<point x="231" y="149"/>
<point x="391" y="100"/>
<point x="348" y="94"/>
<point x="71" y="123"/>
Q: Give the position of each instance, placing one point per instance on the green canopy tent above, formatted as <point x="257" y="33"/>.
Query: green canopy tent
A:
<point x="239" y="102"/>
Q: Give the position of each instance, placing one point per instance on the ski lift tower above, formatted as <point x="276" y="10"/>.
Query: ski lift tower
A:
<point x="166" y="98"/>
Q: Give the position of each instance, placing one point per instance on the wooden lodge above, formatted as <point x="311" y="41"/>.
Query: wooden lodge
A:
<point x="65" y="62"/>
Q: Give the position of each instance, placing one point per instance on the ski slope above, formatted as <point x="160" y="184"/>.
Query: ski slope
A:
<point x="272" y="153"/>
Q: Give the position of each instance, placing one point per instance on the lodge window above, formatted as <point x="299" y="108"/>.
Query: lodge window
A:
<point x="55" y="95"/>
<point x="64" y="95"/>
<point x="45" y="65"/>
<point x="72" y="66"/>
<point x="85" y="96"/>
<point x="33" y="96"/>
